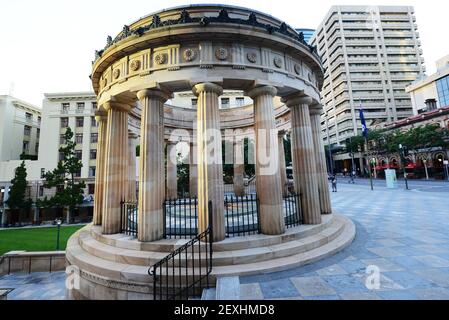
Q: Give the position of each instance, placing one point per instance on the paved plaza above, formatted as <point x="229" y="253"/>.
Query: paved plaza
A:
<point x="403" y="233"/>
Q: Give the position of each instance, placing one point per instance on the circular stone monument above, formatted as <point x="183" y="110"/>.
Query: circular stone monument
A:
<point x="204" y="49"/>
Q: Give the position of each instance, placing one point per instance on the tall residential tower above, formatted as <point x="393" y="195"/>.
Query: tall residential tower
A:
<point x="370" y="54"/>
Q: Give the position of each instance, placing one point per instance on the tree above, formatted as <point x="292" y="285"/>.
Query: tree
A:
<point x="16" y="200"/>
<point x="70" y="193"/>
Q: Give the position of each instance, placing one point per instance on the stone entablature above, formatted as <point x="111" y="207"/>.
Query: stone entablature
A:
<point x="230" y="51"/>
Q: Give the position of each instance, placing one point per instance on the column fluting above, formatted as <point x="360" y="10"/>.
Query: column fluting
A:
<point x="268" y="180"/>
<point x="116" y="165"/>
<point x="303" y="156"/>
<point x="132" y="143"/>
<point x="239" y="167"/>
<point x="151" y="165"/>
<point x="209" y="156"/>
<point x="320" y="157"/>
<point x="101" y="117"/>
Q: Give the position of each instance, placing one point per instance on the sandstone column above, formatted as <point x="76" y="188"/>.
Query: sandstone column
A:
<point x="151" y="165"/>
<point x="282" y="167"/>
<point x="303" y="155"/>
<point x="320" y="157"/>
<point x="193" y="172"/>
<point x="116" y="165"/>
<point x="239" y="167"/>
<point x="209" y="156"/>
<point x="101" y="117"/>
<point x="268" y="180"/>
<point x="172" y="171"/>
<point x="132" y="190"/>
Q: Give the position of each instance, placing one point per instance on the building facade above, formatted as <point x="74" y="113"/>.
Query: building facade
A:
<point x="20" y="124"/>
<point x="370" y="54"/>
<point x="432" y="92"/>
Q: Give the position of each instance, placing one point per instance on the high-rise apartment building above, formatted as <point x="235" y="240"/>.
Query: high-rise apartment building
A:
<point x="20" y="124"/>
<point x="370" y="55"/>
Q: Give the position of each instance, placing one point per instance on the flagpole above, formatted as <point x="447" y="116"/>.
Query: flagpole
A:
<point x="365" y="135"/>
<point x="369" y="165"/>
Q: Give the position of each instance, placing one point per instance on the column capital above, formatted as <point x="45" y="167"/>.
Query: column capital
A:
<point x="132" y="135"/>
<point x="154" y="93"/>
<point x="255" y="92"/>
<point x="101" y="115"/>
<point x="282" y="132"/>
<point x="297" y="99"/>
<point x="207" y="87"/>
<point x="114" y="104"/>
<point x="316" y="109"/>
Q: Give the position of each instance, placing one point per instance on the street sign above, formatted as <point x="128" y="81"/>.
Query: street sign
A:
<point x="446" y="162"/>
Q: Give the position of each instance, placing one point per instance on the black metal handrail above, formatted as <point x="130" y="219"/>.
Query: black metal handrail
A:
<point x="184" y="273"/>
<point x="241" y="215"/>
<point x="292" y="210"/>
<point x="128" y="218"/>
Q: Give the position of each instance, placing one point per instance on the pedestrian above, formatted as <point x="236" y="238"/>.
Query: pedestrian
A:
<point x="334" y="183"/>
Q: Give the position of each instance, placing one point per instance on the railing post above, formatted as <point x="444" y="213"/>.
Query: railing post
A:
<point x="258" y="214"/>
<point x="164" y="219"/>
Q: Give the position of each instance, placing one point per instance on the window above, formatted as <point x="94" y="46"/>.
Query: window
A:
<point x="443" y="91"/>
<point x="64" y="122"/>
<point x="239" y="101"/>
<point x="79" y="154"/>
<point x="194" y="103"/>
<point x="41" y="191"/>
<point x="94" y="106"/>
<point x="79" y="122"/>
<point x="42" y="173"/>
<point x="61" y="156"/>
<point x="28" y="116"/>
<point x="27" y="130"/>
<point x="65" y="108"/>
<point x="36" y="148"/>
<point x="38" y="133"/>
<point x="39" y="119"/>
<point x="26" y="146"/>
<point x="93" y="122"/>
<point x="91" y="188"/>
<point x="224" y="103"/>
<point x="80" y="107"/>
<point x="61" y="139"/>
<point x="92" y="172"/>
<point x="77" y="174"/>
<point x="93" y="137"/>
<point x="93" y="154"/>
<point x="79" y="138"/>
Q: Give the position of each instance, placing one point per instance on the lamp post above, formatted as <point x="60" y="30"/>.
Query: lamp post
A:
<point x="58" y="223"/>
<point x="331" y="163"/>
<point x="402" y="153"/>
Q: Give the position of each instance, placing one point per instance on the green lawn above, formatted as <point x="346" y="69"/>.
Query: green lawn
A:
<point x="35" y="239"/>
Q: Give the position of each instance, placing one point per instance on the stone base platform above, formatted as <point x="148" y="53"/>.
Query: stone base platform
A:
<point x="116" y="266"/>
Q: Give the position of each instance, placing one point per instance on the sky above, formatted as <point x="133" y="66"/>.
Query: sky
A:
<point x="48" y="45"/>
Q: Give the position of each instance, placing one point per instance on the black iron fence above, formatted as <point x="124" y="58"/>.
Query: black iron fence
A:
<point x="181" y="218"/>
<point x="292" y="210"/>
<point x="128" y="218"/>
<point x="241" y="215"/>
<point x="185" y="272"/>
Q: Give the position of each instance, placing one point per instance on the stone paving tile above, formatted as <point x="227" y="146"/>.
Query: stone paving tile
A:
<point x="409" y="280"/>
<point x="385" y="252"/>
<point x="312" y="286"/>
<point x="384" y="265"/>
<point x="433" y="261"/>
<point x="251" y="291"/>
<point x="360" y="296"/>
<point x="334" y="269"/>
<point x="432" y="294"/>
<point x="278" y="288"/>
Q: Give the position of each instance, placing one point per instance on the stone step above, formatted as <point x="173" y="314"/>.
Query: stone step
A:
<point x="137" y="278"/>
<point x="229" y="244"/>
<point x="342" y="241"/>
<point x="220" y="258"/>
